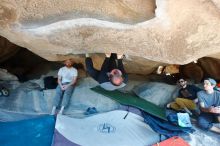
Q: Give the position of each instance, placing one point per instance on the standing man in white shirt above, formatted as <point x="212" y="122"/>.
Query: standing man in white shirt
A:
<point x="67" y="76"/>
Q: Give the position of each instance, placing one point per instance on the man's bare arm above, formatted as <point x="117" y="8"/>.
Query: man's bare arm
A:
<point x="215" y="110"/>
<point x="202" y="107"/>
<point x="59" y="81"/>
<point x="73" y="81"/>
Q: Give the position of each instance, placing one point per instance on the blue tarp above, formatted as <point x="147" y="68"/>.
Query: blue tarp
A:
<point x="31" y="132"/>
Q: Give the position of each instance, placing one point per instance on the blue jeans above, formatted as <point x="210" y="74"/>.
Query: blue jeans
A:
<point x="206" y="120"/>
<point x="66" y="95"/>
<point x="164" y="127"/>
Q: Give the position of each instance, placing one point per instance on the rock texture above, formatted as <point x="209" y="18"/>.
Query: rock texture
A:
<point x="169" y="31"/>
<point x="193" y="72"/>
<point x="133" y="65"/>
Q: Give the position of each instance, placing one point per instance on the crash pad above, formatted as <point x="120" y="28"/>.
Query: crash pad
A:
<point x="30" y="132"/>
<point x="173" y="141"/>
<point x="133" y="100"/>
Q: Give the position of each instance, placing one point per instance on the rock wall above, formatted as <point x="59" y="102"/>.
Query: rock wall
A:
<point x="211" y="67"/>
<point x="206" y="67"/>
<point x="168" y="31"/>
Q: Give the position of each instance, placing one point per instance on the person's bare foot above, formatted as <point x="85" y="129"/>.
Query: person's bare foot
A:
<point x="107" y="55"/>
<point x="87" y="55"/>
<point x="216" y="125"/>
<point x="168" y="105"/>
<point x="120" y="56"/>
<point x="188" y="111"/>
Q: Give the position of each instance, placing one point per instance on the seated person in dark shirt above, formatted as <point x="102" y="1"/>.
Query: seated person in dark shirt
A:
<point x="209" y="102"/>
<point x="187" y="97"/>
<point x="112" y="75"/>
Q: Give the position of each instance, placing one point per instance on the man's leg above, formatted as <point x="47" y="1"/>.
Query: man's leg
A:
<point x="56" y="99"/>
<point x="175" y="106"/>
<point x="103" y="77"/>
<point x="186" y="104"/>
<point x="90" y="69"/>
<point x="216" y="124"/>
<point x="66" y="97"/>
<point x="205" y="121"/>
<point x="113" y="64"/>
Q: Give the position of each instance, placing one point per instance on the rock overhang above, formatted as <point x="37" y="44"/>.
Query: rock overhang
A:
<point x="174" y="32"/>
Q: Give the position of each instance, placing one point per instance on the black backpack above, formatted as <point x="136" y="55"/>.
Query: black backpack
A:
<point x="50" y="82"/>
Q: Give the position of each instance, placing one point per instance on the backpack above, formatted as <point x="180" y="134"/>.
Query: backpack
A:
<point x="50" y="82"/>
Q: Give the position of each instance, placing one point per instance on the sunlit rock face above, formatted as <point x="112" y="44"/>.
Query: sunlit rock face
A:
<point x="168" y="31"/>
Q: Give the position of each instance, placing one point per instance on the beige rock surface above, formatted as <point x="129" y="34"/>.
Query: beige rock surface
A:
<point x="168" y="31"/>
<point x="132" y="64"/>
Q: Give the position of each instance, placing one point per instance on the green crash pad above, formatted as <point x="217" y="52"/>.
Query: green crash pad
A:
<point x="132" y="100"/>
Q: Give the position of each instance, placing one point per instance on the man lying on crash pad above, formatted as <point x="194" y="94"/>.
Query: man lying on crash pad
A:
<point x="112" y="75"/>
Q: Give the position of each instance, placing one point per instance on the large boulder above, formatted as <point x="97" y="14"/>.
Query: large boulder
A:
<point x="168" y="31"/>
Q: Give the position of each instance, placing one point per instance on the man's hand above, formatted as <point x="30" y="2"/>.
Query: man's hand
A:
<point x="64" y="87"/>
<point x="215" y="110"/>
<point x="196" y="100"/>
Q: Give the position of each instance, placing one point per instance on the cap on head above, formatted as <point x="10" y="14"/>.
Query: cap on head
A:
<point x="212" y="81"/>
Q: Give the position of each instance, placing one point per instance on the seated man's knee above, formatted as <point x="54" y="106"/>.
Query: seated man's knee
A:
<point x="203" y="123"/>
<point x="178" y="100"/>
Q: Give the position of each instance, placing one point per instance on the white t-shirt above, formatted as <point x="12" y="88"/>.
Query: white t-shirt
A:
<point x="67" y="74"/>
